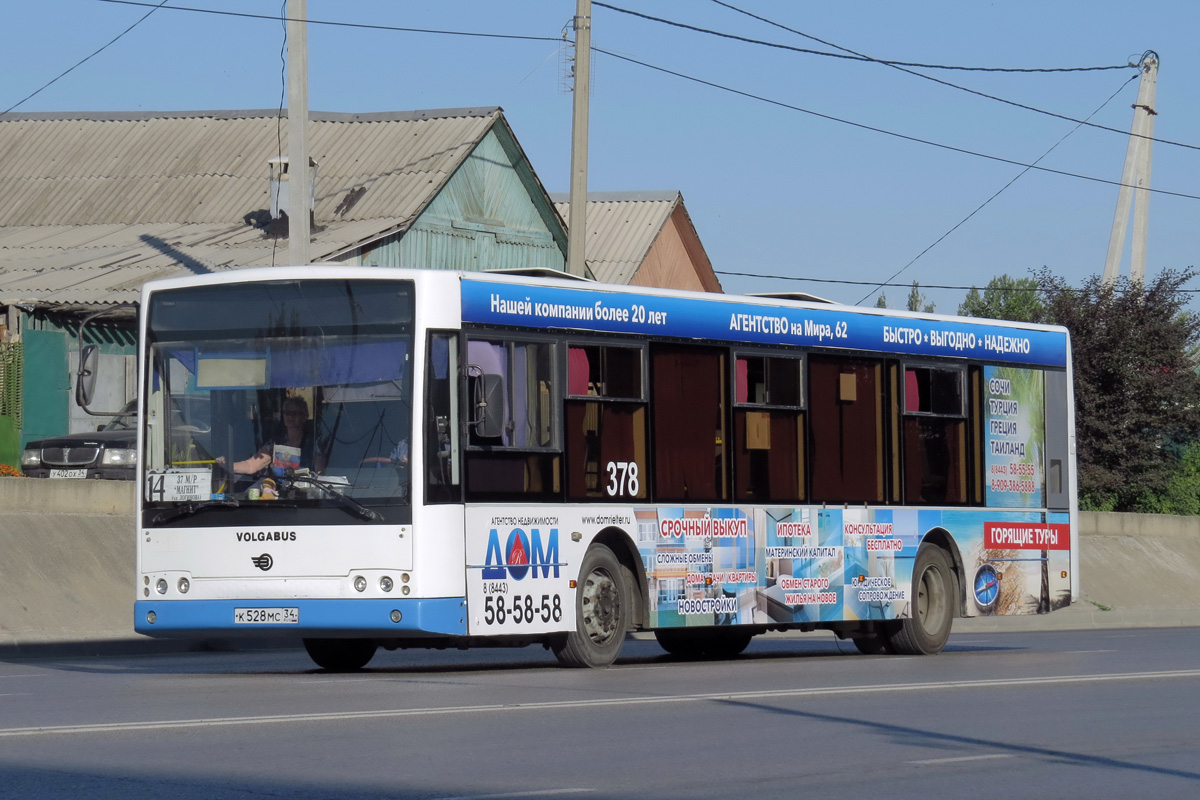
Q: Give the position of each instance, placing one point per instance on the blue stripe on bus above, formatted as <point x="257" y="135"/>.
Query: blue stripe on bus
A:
<point x="730" y="321"/>
<point x="369" y="616"/>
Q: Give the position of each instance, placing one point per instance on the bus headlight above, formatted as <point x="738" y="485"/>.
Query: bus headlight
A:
<point x="385" y="584"/>
<point x="360" y="583"/>
<point x="184" y="584"/>
<point x="161" y="586"/>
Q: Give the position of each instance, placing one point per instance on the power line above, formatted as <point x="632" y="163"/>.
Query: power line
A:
<point x="80" y="63"/>
<point x="1016" y="177"/>
<point x="898" y="66"/>
<point x="886" y="285"/>
<point x="911" y="72"/>
<point x="711" y="84"/>
<point x="336" y="24"/>
<point x="838" y="281"/>
<point x="852" y="56"/>
<point x="884" y="131"/>
<point x="855" y="56"/>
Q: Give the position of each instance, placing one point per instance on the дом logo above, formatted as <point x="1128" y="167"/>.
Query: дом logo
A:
<point x="522" y="552"/>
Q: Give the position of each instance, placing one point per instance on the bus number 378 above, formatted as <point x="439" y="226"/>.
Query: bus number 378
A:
<point x="623" y="479"/>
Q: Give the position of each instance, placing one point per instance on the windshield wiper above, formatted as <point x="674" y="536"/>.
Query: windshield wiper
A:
<point x="346" y="500"/>
<point x="191" y="507"/>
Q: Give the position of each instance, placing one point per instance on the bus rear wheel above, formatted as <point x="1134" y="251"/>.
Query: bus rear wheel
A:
<point x="933" y="598"/>
<point x="601" y="613"/>
<point x="340" y="655"/>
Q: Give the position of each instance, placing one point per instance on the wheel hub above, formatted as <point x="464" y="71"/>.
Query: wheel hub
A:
<point x="601" y="607"/>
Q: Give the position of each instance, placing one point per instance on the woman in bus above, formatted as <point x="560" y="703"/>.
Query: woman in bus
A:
<point x="294" y="433"/>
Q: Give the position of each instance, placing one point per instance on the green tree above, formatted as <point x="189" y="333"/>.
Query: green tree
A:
<point x="916" y="300"/>
<point x="1004" y="297"/>
<point x="1181" y="495"/>
<point x="1137" y="391"/>
<point x="881" y="301"/>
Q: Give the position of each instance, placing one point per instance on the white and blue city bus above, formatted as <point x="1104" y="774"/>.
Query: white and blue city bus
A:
<point x="475" y="458"/>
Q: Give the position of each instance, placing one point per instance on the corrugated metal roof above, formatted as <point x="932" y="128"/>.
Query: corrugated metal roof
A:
<point x="95" y="204"/>
<point x="621" y="227"/>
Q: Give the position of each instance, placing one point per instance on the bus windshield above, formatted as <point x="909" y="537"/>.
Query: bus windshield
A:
<point x="305" y="391"/>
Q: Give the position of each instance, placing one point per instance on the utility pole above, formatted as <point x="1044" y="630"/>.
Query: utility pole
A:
<point x="577" y="214"/>
<point x="1135" y="177"/>
<point x="299" y="175"/>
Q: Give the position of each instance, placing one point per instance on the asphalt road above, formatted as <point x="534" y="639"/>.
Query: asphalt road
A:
<point x="1098" y="714"/>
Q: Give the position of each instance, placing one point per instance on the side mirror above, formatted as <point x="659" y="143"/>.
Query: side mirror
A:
<point x="89" y="363"/>
<point x="487" y="400"/>
<point x="85" y="378"/>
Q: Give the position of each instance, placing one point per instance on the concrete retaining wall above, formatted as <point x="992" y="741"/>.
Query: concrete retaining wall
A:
<point x="1144" y="568"/>
<point x="66" y="561"/>
<point x="67" y="570"/>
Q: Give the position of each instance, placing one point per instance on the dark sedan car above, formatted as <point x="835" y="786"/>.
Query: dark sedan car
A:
<point x="109" y="453"/>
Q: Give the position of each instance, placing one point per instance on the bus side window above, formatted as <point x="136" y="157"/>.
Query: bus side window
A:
<point x="935" y="435"/>
<point x="605" y="424"/>
<point x="768" y="429"/>
<point x="441" y="420"/>
<point x="511" y="424"/>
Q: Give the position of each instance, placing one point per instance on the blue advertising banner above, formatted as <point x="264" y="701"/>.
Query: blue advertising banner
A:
<point x="736" y="321"/>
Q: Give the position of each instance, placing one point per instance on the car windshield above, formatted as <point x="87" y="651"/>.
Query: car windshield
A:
<point x="126" y="421"/>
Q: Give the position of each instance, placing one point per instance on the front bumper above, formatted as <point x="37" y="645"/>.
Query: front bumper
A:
<point x="367" y="617"/>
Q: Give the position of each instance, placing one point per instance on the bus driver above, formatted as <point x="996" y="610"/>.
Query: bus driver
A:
<point x="295" y="432"/>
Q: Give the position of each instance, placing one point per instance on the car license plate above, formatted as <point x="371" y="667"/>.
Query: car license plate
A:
<point x="266" y="616"/>
<point x="68" y="473"/>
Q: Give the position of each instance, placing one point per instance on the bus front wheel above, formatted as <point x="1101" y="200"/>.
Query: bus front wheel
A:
<point x="932" y="611"/>
<point x="601" y="613"/>
<point x="340" y="655"/>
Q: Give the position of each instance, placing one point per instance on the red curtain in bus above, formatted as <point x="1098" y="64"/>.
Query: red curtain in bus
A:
<point x="689" y="447"/>
<point x="846" y="427"/>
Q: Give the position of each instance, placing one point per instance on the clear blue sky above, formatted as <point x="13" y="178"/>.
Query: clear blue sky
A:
<point x="772" y="191"/>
